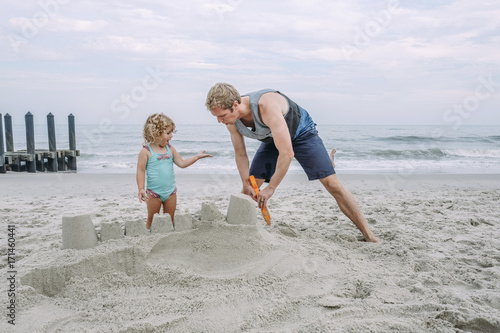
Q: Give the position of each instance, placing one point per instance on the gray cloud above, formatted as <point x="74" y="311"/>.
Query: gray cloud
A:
<point x="370" y="62"/>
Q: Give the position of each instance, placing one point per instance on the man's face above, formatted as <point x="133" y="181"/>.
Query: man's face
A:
<point x="225" y="116"/>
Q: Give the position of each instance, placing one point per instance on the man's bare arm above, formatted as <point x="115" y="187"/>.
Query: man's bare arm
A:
<point x="271" y="109"/>
<point x="241" y="157"/>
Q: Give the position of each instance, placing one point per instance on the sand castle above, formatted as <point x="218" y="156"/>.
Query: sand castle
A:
<point x="241" y="210"/>
<point x="209" y="212"/>
<point x="183" y="222"/>
<point x="213" y="248"/>
<point x="110" y="230"/>
<point x="135" y="228"/>
<point x="162" y="223"/>
<point x="78" y="232"/>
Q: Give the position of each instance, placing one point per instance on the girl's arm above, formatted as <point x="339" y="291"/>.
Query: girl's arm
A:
<point x="142" y="161"/>
<point x="184" y="163"/>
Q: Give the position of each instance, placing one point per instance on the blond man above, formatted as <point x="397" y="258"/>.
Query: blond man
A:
<point x="286" y="131"/>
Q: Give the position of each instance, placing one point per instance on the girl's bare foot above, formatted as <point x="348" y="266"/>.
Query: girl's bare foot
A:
<point x="334" y="150"/>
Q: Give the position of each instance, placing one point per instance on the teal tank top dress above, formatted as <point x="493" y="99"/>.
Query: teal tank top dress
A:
<point x="160" y="174"/>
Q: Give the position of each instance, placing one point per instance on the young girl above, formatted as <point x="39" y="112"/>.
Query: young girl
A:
<point x="156" y="161"/>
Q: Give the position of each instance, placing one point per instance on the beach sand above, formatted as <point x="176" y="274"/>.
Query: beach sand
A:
<point x="436" y="270"/>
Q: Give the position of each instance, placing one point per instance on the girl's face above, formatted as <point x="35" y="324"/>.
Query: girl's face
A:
<point x="165" y="137"/>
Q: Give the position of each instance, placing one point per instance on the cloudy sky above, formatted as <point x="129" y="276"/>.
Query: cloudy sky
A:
<point x="347" y="62"/>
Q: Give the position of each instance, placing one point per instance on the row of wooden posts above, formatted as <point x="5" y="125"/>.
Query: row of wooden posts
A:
<point x="31" y="159"/>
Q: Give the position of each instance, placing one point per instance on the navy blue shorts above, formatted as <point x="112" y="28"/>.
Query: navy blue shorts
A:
<point x="309" y="151"/>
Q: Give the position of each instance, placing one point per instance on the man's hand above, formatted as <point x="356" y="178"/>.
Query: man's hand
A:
<point x="264" y="196"/>
<point x="248" y="190"/>
<point x="260" y="198"/>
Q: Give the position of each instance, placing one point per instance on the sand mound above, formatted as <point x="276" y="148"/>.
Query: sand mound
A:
<point x="62" y="266"/>
<point x="212" y="250"/>
<point x="221" y="250"/>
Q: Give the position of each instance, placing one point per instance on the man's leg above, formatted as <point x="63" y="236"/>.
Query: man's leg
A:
<point x="332" y="157"/>
<point x="348" y="205"/>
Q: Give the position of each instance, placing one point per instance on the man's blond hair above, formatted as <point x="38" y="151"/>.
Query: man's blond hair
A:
<point x="222" y="95"/>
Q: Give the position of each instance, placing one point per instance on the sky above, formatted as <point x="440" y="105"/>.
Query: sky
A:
<point x="360" y="62"/>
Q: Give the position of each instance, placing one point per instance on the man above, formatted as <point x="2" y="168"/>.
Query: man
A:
<point x="286" y="131"/>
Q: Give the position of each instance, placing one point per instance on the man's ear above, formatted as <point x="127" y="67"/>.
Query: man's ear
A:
<point x="235" y="105"/>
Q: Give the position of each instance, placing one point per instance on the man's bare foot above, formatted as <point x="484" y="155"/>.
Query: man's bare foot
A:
<point x="334" y="150"/>
<point x="371" y="238"/>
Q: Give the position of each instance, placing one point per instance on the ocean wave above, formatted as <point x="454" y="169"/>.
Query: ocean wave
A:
<point x="104" y="166"/>
<point x="435" y="153"/>
<point x="493" y="137"/>
<point x="432" y="153"/>
<point x="412" y="139"/>
<point x="201" y="141"/>
<point x="134" y="155"/>
<point x="360" y="148"/>
<point x="473" y="152"/>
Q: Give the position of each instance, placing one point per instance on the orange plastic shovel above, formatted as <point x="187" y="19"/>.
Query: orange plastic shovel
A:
<point x="264" y="211"/>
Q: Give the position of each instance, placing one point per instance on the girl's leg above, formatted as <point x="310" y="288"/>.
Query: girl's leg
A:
<point x="154" y="205"/>
<point x="170" y="205"/>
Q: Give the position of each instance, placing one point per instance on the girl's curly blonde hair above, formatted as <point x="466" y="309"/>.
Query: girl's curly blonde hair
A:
<point x="155" y="125"/>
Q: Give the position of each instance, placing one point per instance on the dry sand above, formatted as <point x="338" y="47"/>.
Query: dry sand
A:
<point x="437" y="269"/>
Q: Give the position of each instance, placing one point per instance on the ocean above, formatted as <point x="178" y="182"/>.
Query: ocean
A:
<point x="360" y="149"/>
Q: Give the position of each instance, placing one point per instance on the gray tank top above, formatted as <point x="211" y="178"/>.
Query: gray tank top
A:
<point x="262" y="132"/>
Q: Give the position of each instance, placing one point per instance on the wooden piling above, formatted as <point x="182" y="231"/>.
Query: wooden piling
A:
<point x="33" y="160"/>
<point x="11" y="158"/>
<point x="52" y="155"/>
<point x="30" y="142"/>
<point x="3" y="169"/>
<point x="72" y="143"/>
<point x="9" y="138"/>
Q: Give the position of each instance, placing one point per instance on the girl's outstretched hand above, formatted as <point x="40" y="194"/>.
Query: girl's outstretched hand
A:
<point x="142" y="195"/>
<point x="202" y="154"/>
